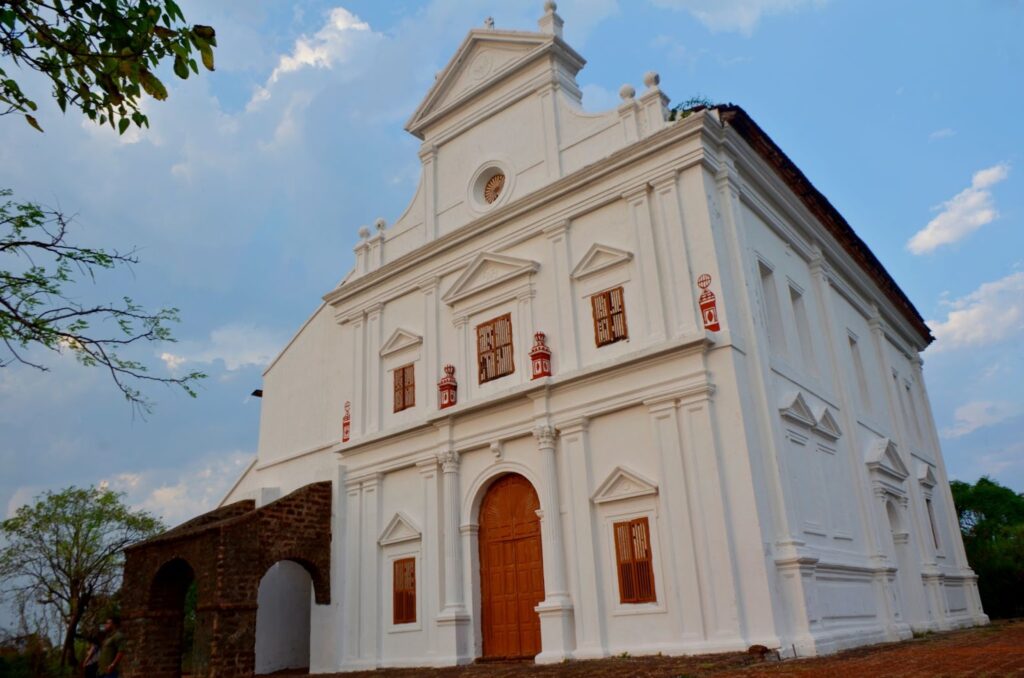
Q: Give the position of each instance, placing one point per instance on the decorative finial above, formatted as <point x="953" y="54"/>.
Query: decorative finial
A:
<point x="364" y="232"/>
<point x="651" y="79"/>
<point x="627" y="92"/>
<point x="489" y="23"/>
<point x="380" y="224"/>
<point x="550" y="23"/>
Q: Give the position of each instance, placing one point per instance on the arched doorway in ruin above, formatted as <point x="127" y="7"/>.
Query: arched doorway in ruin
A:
<point x="511" y="568"/>
<point x="173" y="599"/>
<point x="283" y="618"/>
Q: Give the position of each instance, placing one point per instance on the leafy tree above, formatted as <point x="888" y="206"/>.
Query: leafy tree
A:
<point x="992" y="523"/>
<point x="36" y="310"/>
<point x="99" y="55"/>
<point x="67" y="550"/>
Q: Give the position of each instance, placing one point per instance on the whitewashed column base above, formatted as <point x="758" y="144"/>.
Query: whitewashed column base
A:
<point x="453" y="646"/>
<point x="557" y="631"/>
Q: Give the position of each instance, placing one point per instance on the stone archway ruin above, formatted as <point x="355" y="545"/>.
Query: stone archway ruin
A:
<point x="227" y="552"/>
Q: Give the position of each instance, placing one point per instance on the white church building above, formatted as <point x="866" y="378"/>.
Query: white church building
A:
<point x="613" y="382"/>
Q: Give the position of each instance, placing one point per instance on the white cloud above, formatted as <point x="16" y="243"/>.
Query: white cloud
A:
<point x="943" y="133"/>
<point x="178" y="494"/>
<point x="978" y="414"/>
<point x="237" y="346"/>
<point x="990" y="314"/>
<point x="964" y="213"/>
<point x="340" y="39"/>
<point x="735" y="15"/>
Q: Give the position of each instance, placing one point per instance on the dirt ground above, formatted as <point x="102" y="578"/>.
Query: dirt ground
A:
<point x="996" y="650"/>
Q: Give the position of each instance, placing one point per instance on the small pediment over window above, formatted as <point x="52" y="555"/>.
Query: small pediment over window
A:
<point x="400" y="529"/>
<point x="926" y="475"/>
<point x="795" y="408"/>
<point x="883" y="457"/>
<point x="826" y="424"/>
<point x="623" y="484"/>
<point x="400" y="340"/>
<point x="599" y="258"/>
<point x="485" y="271"/>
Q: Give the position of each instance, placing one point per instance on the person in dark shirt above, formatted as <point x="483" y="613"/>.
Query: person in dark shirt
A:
<point x="111" y="651"/>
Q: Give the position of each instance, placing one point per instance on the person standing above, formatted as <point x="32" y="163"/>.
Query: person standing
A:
<point x="111" y="651"/>
<point x="91" y="661"/>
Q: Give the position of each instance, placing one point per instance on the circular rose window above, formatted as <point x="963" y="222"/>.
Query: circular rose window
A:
<point x="492" y="189"/>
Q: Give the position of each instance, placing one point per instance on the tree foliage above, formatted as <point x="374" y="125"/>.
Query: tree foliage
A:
<point x="36" y="263"/>
<point x="99" y="55"/>
<point x="66" y="551"/>
<point x="991" y="520"/>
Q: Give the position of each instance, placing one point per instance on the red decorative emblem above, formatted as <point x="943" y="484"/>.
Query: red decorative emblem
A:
<point x="708" y="308"/>
<point x="448" y="388"/>
<point x="540" y="355"/>
<point x="346" y="422"/>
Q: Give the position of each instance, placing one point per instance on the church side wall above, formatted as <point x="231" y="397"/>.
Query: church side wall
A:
<point x="852" y="443"/>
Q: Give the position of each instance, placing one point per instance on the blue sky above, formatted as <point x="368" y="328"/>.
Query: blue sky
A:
<point x="245" y="197"/>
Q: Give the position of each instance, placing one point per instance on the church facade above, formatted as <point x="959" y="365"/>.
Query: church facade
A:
<point x="614" y="382"/>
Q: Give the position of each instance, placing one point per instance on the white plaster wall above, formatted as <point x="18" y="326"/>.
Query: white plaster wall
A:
<point x="282" y="618"/>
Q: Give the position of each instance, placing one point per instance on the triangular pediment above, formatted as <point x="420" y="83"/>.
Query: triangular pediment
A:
<point x="883" y="457"/>
<point x="485" y="57"/>
<point x="400" y="529"/>
<point x="826" y="424"/>
<point x="485" y="271"/>
<point x="599" y="258"/>
<point x="926" y="475"/>
<point x="623" y="484"/>
<point x="795" y="408"/>
<point x="399" y="340"/>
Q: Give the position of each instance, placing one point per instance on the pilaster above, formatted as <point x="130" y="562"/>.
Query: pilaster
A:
<point x="428" y="156"/>
<point x="374" y="338"/>
<point x="453" y="621"/>
<point x="687" y="562"/>
<point x="558" y="637"/>
<point x="567" y="357"/>
<point x="675" y="258"/>
<point x="590" y="622"/>
<point x="638" y="202"/>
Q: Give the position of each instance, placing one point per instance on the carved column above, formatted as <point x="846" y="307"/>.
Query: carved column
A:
<point x="556" y="618"/>
<point x="453" y="622"/>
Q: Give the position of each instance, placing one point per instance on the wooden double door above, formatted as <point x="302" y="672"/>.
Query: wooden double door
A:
<point x="511" y="569"/>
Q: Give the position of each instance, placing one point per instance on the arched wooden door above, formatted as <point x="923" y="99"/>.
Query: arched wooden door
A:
<point x="511" y="569"/>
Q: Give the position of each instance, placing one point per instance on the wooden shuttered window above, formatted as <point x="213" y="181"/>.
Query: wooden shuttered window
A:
<point x="405" y="387"/>
<point x="609" y="317"/>
<point x="494" y="348"/>
<point x="404" y="594"/>
<point x="633" y="561"/>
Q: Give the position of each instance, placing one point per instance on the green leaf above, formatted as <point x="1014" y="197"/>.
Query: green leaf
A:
<point x="180" y="67"/>
<point x="207" y="55"/>
<point x="32" y="121"/>
<point x="122" y="125"/>
<point x="152" y="85"/>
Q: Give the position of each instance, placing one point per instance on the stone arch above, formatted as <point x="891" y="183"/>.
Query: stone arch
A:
<point x="168" y="592"/>
<point x="283" y="603"/>
<point x="228" y="551"/>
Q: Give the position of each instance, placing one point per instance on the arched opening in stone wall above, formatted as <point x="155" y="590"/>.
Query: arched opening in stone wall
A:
<point x="283" y="618"/>
<point x="174" y="599"/>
